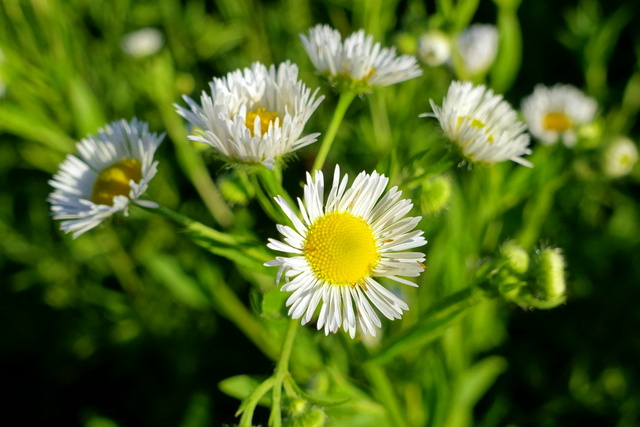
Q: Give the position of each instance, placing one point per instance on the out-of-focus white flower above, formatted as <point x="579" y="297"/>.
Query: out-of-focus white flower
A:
<point x="477" y="47"/>
<point x="556" y="112"/>
<point x="482" y="126"/>
<point x="341" y="246"/>
<point x="620" y="157"/>
<point x="357" y="64"/>
<point x="255" y="115"/>
<point x="144" y="42"/>
<point x="434" y="48"/>
<point x="113" y="168"/>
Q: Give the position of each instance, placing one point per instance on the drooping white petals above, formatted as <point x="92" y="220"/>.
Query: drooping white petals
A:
<point x="357" y="62"/>
<point x="73" y="183"/>
<point x="220" y="120"/>
<point x="483" y="126"/>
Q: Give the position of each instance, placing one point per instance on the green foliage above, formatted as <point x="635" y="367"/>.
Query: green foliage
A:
<point x="134" y="324"/>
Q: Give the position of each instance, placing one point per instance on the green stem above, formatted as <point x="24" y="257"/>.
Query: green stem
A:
<point x="282" y="370"/>
<point x="225" y="300"/>
<point x="250" y="403"/>
<point x="195" y="226"/>
<point x="343" y="104"/>
<point x="383" y="390"/>
<point x="272" y="181"/>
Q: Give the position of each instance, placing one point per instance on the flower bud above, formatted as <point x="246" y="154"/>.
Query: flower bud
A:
<point x="302" y="415"/>
<point x="435" y="194"/>
<point x="550" y="275"/>
<point x="515" y="256"/>
<point x="620" y="158"/>
<point x="434" y="48"/>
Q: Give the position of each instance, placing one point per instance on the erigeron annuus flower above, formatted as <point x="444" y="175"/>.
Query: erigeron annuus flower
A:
<point x="620" y="157"/>
<point x="434" y="48"/>
<point x="112" y="169"/>
<point x="482" y="126"/>
<point x="476" y="48"/>
<point x="339" y="249"/>
<point x="556" y="112"/>
<point x="356" y="64"/>
<point x="254" y="116"/>
<point x="143" y="42"/>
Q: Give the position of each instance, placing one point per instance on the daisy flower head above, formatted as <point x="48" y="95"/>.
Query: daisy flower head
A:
<point x="356" y="64"/>
<point x="434" y="48"/>
<point x="254" y="116"/>
<point x="481" y="126"/>
<point x="476" y="48"/>
<point x="112" y="169"/>
<point x="554" y="113"/>
<point x="620" y="158"/>
<point x="340" y="247"/>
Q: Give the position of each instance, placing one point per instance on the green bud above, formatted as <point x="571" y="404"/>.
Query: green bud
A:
<point x="234" y="191"/>
<point x="516" y="257"/>
<point x="550" y="275"/>
<point x="435" y="194"/>
<point x="311" y="417"/>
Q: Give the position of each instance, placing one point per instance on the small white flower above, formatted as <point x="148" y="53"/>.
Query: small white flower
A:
<point x="144" y="42"/>
<point x="620" y="157"/>
<point x="481" y="125"/>
<point x="357" y="64"/>
<point x="113" y="168"/>
<point x="434" y="48"/>
<point x="255" y="115"/>
<point x="554" y="113"/>
<point x="477" y="48"/>
<point x="341" y="246"/>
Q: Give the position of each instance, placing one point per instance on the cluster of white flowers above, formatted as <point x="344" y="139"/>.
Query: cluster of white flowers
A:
<point x="257" y="115"/>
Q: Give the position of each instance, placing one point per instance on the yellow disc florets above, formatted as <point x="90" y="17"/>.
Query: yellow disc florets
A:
<point x="114" y="181"/>
<point x="557" y="121"/>
<point x="341" y="249"/>
<point x="266" y="117"/>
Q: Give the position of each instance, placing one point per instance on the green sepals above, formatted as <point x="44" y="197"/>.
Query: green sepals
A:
<point x="235" y="190"/>
<point x="301" y="414"/>
<point x="537" y="284"/>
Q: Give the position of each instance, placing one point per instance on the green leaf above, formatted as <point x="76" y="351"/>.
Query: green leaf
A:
<point x="241" y="387"/>
<point x="167" y="271"/>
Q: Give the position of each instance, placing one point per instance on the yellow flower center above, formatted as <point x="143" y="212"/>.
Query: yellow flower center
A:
<point x="114" y="181"/>
<point x="266" y="117"/>
<point x="341" y="249"/>
<point x="474" y="123"/>
<point x="557" y="121"/>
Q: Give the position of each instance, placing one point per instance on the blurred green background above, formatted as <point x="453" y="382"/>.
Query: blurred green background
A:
<point x="99" y="332"/>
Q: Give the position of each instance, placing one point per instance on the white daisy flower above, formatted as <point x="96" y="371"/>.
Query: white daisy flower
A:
<point x="357" y="64"/>
<point x="255" y="115"/>
<point x="620" y="157"/>
<point x="477" y="48"/>
<point x="556" y="112"/>
<point x="143" y="42"/>
<point x="434" y="48"/>
<point x="113" y="168"/>
<point x="482" y="126"/>
<point x="341" y="246"/>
